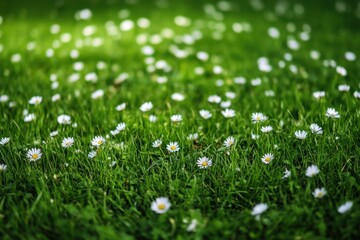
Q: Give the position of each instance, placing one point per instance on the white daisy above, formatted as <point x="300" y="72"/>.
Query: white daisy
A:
<point x="344" y="88"/>
<point x="266" y="129"/>
<point x="3" y="167"/>
<point x="267" y="158"/>
<point x="205" y="114"/>
<point x="204" y="162"/>
<point x="120" y="107"/>
<point x="54" y="133"/>
<point x="259" y="209"/>
<point x="287" y="174"/>
<point x="34" y="154"/>
<point x="177" y="97"/>
<point x="312" y="171"/>
<point x="319" y="192"/>
<point x="157" y="143"/>
<point x="160" y="205"/>
<point x="114" y="132"/>
<point x="356" y="94"/>
<point x="120" y="127"/>
<point x="193" y="136"/>
<point x="98" y="141"/>
<point x="345" y="207"/>
<point x="145" y="107"/>
<point x="176" y="118"/>
<point x="254" y="136"/>
<point x="4" y="140"/>
<point x="97" y="94"/>
<point x="229" y="142"/>
<point x="332" y="113"/>
<point x="152" y="118"/>
<point x="4" y="98"/>
<point x="228" y="113"/>
<point x="30" y="117"/>
<point x="173" y="147"/>
<point x="258" y="117"/>
<point x="318" y="94"/>
<point x="91" y="154"/>
<point x="64" y="119"/>
<point x="316" y="129"/>
<point x="36" y="100"/>
<point x="300" y="134"/>
<point x="67" y="142"/>
<point x="214" y="99"/>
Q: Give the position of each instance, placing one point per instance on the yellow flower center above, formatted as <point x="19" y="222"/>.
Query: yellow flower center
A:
<point x="35" y="156"/>
<point x="267" y="159"/>
<point x="204" y="163"/>
<point x="100" y="142"/>
<point x="161" y="206"/>
<point x="257" y="118"/>
<point x="320" y="195"/>
<point x="173" y="147"/>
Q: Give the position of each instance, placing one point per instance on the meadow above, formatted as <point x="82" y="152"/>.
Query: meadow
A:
<point x="184" y="119"/>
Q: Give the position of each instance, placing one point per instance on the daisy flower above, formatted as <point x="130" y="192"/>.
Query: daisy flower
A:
<point x="192" y="226"/>
<point x="254" y="136"/>
<point x="120" y="107"/>
<point x="318" y="94"/>
<point x="176" y="118"/>
<point x="319" y="192"/>
<point x="4" y="140"/>
<point x="67" y="142"/>
<point x="157" y="143"/>
<point x="267" y="158"/>
<point x="259" y="209"/>
<point x="91" y="154"/>
<point x="266" y="129"/>
<point x="54" y="133"/>
<point x="205" y="114"/>
<point x="36" y="100"/>
<point x="312" y="171"/>
<point x="258" y="117"/>
<point x="225" y="104"/>
<point x="160" y="205"/>
<point x="152" y="118"/>
<point x="356" y="94"/>
<point x="345" y="207"/>
<point x="229" y="142"/>
<point x="3" y="167"/>
<point x="316" y="129"/>
<point x="300" y="134"/>
<point x="214" y="99"/>
<point x="30" y="117"/>
<point x="228" y="113"/>
<point x="98" y="141"/>
<point x="193" y="137"/>
<point x="145" y="107"/>
<point x="204" y="162"/>
<point x="64" y="119"/>
<point x="97" y="94"/>
<point x="287" y="174"/>
<point x="120" y="127"/>
<point x="344" y="88"/>
<point x="173" y="147"/>
<point x="332" y="113"/>
<point x="34" y="154"/>
<point x="177" y="97"/>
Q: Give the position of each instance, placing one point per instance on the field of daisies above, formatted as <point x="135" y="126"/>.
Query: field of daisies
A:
<point x="167" y="119"/>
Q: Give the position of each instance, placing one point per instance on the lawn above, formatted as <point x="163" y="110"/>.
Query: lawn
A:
<point x="168" y="119"/>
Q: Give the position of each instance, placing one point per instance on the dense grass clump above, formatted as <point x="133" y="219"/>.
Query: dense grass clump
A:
<point x="179" y="119"/>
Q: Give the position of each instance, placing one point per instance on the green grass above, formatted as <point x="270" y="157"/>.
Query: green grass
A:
<point x="65" y="194"/>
